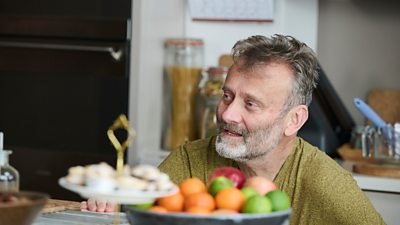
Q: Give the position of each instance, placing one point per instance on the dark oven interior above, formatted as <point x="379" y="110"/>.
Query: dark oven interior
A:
<point x="64" y="79"/>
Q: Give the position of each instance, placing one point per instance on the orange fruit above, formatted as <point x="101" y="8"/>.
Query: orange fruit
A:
<point x="224" y="212"/>
<point x="230" y="198"/>
<point x="201" y="199"/>
<point x="191" y="186"/>
<point x="158" y="208"/>
<point x="198" y="210"/>
<point x="173" y="203"/>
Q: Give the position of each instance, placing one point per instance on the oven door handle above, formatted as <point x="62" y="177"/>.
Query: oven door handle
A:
<point x="116" y="54"/>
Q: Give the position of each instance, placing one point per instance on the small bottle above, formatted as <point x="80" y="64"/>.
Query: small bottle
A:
<point x="9" y="176"/>
<point x="211" y="93"/>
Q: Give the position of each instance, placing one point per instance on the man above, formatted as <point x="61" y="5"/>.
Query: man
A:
<point x="265" y="102"/>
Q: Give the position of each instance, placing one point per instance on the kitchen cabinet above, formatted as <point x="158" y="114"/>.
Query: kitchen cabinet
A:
<point x="64" y="79"/>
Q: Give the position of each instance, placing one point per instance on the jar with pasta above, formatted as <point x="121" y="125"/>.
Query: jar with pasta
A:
<point x="183" y="66"/>
<point x="211" y="93"/>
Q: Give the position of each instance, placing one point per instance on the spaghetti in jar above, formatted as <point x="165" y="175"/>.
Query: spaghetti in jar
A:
<point x="183" y="66"/>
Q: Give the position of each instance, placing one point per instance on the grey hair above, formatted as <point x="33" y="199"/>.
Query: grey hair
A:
<point x="301" y="59"/>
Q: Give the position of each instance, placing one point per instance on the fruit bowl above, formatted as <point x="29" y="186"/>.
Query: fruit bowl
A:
<point x="21" y="208"/>
<point x="143" y="217"/>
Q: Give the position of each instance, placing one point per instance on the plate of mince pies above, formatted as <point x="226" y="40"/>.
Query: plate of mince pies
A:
<point x="138" y="184"/>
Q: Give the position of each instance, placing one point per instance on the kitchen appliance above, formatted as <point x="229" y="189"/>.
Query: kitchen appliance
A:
<point x="64" y="78"/>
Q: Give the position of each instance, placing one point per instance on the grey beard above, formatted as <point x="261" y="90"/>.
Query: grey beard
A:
<point x="254" y="145"/>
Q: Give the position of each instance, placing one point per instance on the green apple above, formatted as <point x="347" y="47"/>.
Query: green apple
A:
<point x="279" y="199"/>
<point x="143" y="206"/>
<point x="257" y="204"/>
<point x="248" y="192"/>
<point x="218" y="184"/>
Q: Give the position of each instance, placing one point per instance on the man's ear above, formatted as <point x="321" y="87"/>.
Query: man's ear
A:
<point x="296" y="119"/>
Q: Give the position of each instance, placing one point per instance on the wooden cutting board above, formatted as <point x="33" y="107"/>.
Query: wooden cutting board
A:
<point x="381" y="170"/>
<point x="55" y="205"/>
<point x="386" y="104"/>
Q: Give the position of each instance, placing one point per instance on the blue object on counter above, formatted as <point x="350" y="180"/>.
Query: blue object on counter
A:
<point x="369" y="113"/>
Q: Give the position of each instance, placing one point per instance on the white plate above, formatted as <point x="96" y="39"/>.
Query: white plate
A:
<point x="117" y="196"/>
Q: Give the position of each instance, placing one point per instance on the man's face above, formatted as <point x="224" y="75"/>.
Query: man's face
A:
<point x="249" y="113"/>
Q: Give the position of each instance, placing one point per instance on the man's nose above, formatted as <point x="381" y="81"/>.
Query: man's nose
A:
<point x="232" y="113"/>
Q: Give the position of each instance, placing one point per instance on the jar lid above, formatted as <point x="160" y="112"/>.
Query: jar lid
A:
<point x="216" y="71"/>
<point x="184" y="42"/>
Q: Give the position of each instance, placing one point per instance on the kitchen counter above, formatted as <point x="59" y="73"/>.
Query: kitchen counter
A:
<point x="373" y="183"/>
<point x="69" y="213"/>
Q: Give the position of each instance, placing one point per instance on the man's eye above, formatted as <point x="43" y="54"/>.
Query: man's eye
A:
<point x="251" y="104"/>
<point x="227" y="97"/>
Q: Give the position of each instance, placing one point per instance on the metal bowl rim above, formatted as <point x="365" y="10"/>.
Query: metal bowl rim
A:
<point x="234" y="217"/>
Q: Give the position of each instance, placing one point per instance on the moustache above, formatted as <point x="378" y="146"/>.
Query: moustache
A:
<point x="232" y="128"/>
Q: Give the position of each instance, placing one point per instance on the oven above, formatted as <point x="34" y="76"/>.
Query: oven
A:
<point x="64" y="79"/>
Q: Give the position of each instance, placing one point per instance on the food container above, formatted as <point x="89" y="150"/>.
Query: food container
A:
<point x="210" y="95"/>
<point x="183" y="66"/>
<point x="382" y="144"/>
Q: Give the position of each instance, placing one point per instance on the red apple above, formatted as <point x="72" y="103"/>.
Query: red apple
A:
<point x="235" y="175"/>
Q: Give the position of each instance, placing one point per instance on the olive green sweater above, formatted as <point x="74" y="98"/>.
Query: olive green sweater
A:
<point x="321" y="192"/>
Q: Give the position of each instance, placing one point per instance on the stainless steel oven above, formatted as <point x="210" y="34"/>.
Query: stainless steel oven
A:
<point x="64" y="78"/>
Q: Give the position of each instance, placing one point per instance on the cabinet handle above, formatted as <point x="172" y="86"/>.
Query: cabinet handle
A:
<point x="116" y="54"/>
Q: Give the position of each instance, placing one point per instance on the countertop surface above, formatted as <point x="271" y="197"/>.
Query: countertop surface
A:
<point x="73" y="217"/>
<point x="372" y="183"/>
<point x="63" y="212"/>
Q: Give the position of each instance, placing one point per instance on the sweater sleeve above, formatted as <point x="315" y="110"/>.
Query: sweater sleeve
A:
<point x="335" y="198"/>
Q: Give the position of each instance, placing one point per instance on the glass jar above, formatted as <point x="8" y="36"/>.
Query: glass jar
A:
<point x="183" y="65"/>
<point x="211" y="92"/>
<point x="9" y="176"/>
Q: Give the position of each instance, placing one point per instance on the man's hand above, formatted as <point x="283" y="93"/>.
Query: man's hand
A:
<point x="94" y="205"/>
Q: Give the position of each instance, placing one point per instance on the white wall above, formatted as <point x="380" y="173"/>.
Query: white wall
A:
<point x="155" y="20"/>
<point x="359" y="48"/>
<point x="292" y="17"/>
